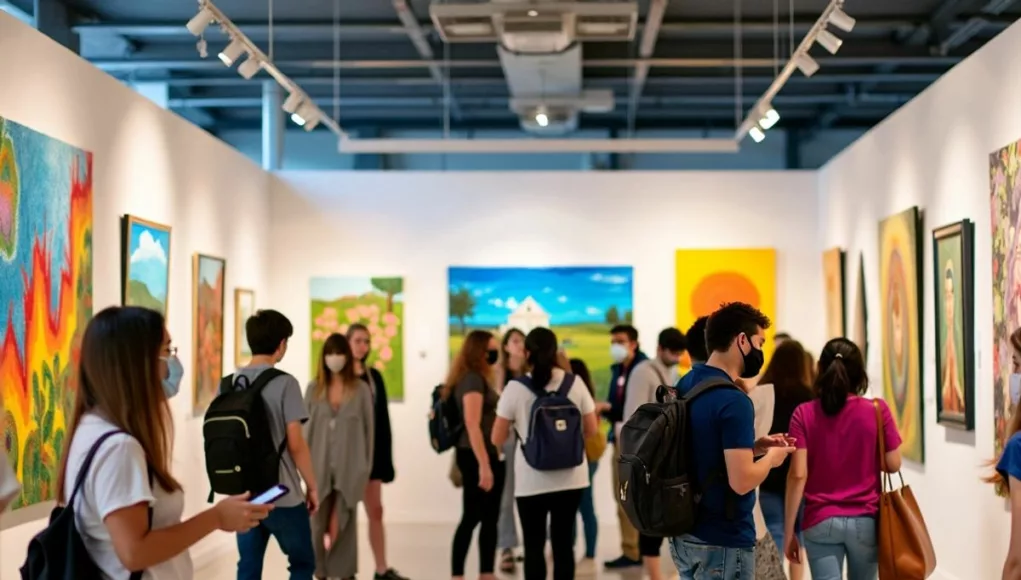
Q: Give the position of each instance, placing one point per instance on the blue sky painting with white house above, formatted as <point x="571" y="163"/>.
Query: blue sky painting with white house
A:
<point x="570" y="295"/>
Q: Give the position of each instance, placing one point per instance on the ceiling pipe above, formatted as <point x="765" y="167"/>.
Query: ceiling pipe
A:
<point x="384" y="146"/>
<point x="650" y="34"/>
<point x="416" y="33"/>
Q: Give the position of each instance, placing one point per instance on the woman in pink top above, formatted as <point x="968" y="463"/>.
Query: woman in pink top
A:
<point x="836" y="469"/>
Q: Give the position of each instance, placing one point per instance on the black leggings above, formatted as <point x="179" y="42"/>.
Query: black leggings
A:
<point x="559" y="508"/>
<point x="477" y="507"/>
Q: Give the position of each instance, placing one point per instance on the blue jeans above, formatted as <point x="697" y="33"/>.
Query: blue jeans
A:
<point x="587" y="509"/>
<point x="773" y="511"/>
<point x="830" y="541"/>
<point x="293" y="532"/>
<point x="698" y="561"/>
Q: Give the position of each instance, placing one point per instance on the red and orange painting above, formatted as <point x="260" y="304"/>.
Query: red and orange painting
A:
<point x="45" y="298"/>
<point x="207" y="320"/>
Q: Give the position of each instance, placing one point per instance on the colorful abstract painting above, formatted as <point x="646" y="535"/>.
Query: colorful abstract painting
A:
<point x="708" y="278"/>
<point x="955" y="332"/>
<point x="1005" y="200"/>
<point x="860" y="332"/>
<point x="833" y="278"/>
<point x="207" y="329"/>
<point x="244" y="308"/>
<point x="580" y="304"/>
<point x="45" y="296"/>
<point x="900" y="320"/>
<point x="377" y="303"/>
<point x="146" y="275"/>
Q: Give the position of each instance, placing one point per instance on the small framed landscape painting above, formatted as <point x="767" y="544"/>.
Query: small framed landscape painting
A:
<point x="955" y="335"/>
<point x="244" y="308"/>
<point x="145" y="274"/>
<point x="207" y="321"/>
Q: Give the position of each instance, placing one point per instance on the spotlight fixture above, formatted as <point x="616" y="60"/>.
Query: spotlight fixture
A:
<point x="829" y="41"/>
<point x="756" y="134"/>
<point x="250" y="67"/>
<point x="305" y="114"/>
<point x="292" y="102"/>
<point x="230" y="54"/>
<point x="842" y="20"/>
<point x="542" y="119"/>
<point x="806" y="64"/>
<point x="769" y="119"/>
<point x="533" y="13"/>
<point x="198" y="24"/>
<point x="312" y="122"/>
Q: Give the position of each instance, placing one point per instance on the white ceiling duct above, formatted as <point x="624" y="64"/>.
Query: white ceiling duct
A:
<point x="522" y="21"/>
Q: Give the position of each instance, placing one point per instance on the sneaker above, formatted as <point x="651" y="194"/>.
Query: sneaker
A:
<point x="508" y="563"/>
<point x="622" y="562"/>
<point x="585" y="567"/>
<point x="390" y="574"/>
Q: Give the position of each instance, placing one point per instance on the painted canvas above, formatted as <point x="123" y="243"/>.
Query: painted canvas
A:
<point x="45" y="298"/>
<point x="859" y="334"/>
<point x="378" y="303"/>
<point x="1005" y="200"/>
<point x="207" y="329"/>
<point x="900" y="320"/>
<point x="244" y="308"/>
<point x="708" y="278"/>
<point x="955" y="376"/>
<point x="145" y="279"/>
<point x="833" y="277"/>
<point x="580" y="304"/>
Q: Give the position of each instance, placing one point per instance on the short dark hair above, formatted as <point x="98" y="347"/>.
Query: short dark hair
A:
<point x="696" y="341"/>
<point x="781" y="336"/>
<point x="630" y="331"/>
<point x="672" y="340"/>
<point x="266" y="329"/>
<point x="730" y="321"/>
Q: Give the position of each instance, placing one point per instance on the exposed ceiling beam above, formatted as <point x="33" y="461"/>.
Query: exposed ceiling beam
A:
<point x="417" y="36"/>
<point x="15" y="11"/>
<point x="997" y="7"/>
<point x="650" y="34"/>
<point x="538" y="145"/>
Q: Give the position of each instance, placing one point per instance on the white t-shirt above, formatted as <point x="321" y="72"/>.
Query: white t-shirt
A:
<point x="516" y="406"/>
<point x="119" y="478"/>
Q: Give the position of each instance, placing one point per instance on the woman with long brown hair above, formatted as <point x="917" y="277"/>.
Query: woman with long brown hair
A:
<point x="512" y="365"/>
<point x="470" y="383"/>
<point x="122" y="420"/>
<point x="1007" y="476"/>
<point x="340" y="437"/>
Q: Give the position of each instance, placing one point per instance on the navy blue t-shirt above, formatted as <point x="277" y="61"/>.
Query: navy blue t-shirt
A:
<point x="1010" y="462"/>
<point x="720" y="419"/>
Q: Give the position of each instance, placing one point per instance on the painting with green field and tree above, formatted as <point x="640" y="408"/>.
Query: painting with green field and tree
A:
<point x="378" y="303"/>
<point x="580" y="304"/>
<point x="146" y="274"/>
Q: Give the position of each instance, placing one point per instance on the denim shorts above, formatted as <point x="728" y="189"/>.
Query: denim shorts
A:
<point x="696" y="560"/>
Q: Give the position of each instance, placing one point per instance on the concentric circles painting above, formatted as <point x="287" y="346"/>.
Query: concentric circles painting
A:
<point x="900" y="321"/>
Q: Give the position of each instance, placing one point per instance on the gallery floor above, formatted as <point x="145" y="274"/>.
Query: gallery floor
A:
<point x="421" y="552"/>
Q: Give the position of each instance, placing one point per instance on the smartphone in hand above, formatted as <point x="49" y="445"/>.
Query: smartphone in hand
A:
<point x="270" y="495"/>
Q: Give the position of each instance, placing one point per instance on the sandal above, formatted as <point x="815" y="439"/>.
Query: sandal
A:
<point x="508" y="562"/>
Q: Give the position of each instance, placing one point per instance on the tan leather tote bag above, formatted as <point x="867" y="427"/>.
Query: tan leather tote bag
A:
<point x="905" y="548"/>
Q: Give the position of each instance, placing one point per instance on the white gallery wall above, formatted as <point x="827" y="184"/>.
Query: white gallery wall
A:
<point x="934" y="153"/>
<point x="152" y="164"/>
<point x="416" y="225"/>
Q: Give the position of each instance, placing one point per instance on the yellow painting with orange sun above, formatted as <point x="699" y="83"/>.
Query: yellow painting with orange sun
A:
<point x="708" y="278"/>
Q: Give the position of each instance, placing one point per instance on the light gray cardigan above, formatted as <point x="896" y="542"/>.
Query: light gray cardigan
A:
<point x="341" y="443"/>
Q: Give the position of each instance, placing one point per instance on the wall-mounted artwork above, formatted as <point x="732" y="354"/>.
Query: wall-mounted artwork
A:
<point x="836" y="307"/>
<point x="580" y="304"/>
<point x="244" y="308"/>
<point x="45" y="299"/>
<point x="955" y="332"/>
<point x="207" y="340"/>
<point x="1005" y="200"/>
<point x="900" y="316"/>
<point x="860" y="332"/>
<point x="708" y="278"/>
<point x="145" y="278"/>
<point x="377" y="303"/>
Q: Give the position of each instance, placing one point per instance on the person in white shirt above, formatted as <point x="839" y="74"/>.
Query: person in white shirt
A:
<point x="128" y="372"/>
<point x="544" y="496"/>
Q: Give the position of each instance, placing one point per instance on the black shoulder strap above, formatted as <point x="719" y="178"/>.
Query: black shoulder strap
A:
<point x="265" y="377"/>
<point x="87" y="464"/>
<point x="565" y="385"/>
<point x="226" y="384"/>
<point x="708" y="385"/>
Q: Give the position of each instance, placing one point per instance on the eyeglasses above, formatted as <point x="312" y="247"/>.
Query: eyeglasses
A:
<point x="172" y="350"/>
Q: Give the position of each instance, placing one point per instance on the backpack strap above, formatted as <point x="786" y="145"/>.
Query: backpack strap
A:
<point x="87" y="464"/>
<point x="708" y="385"/>
<point x="565" y="385"/>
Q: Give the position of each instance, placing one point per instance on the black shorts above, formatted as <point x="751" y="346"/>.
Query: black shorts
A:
<point x="649" y="545"/>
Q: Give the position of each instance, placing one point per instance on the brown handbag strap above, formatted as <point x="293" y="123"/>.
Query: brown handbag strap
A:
<point x="882" y="446"/>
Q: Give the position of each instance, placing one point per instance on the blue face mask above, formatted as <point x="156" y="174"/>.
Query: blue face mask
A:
<point x="175" y="371"/>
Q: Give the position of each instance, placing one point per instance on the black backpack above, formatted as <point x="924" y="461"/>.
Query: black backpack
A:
<point x="445" y="424"/>
<point x="657" y="489"/>
<point x="58" y="552"/>
<point x="240" y="454"/>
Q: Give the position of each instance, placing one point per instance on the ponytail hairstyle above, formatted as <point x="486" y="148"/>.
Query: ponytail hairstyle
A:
<point x="541" y="350"/>
<point x="841" y="374"/>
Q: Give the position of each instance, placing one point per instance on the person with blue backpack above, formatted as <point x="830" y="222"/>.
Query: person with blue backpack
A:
<point x="552" y="412"/>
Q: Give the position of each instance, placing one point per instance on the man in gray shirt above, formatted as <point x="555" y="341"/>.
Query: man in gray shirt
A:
<point x="268" y="332"/>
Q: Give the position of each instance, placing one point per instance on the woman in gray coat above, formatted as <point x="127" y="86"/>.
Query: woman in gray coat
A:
<point x="340" y="438"/>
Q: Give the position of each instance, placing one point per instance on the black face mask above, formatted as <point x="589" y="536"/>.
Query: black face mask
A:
<point x="492" y="356"/>
<point x="753" y="362"/>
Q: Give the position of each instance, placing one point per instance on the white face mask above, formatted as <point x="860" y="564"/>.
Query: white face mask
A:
<point x="1015" y="389"/>
<point x="618" y="352"/>
<point x="336" y="362"/>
